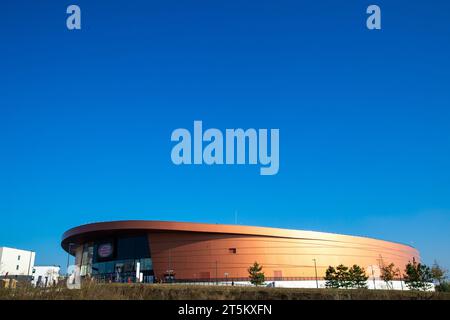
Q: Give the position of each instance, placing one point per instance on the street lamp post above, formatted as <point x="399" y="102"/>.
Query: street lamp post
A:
<point x="400" y="277"/>
<point x="315" y="269"/>
<point x="373" y="275"/>
<point x="217" y="280"/>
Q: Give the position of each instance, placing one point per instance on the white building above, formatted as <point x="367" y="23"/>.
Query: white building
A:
<point x="45" y="276"/>
<point x="16" y="262"/>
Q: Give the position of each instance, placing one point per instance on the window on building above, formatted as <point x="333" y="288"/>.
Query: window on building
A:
<point x="232" y="250"/>
<point x="18" y="257"/>
<point x="17" y="267"/>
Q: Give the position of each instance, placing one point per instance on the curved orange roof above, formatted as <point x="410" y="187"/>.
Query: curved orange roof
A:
<point x="88" y="230"/>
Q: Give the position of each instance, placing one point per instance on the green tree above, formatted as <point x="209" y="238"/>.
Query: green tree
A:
<point x="439" y="274"/>
<point x="256" y="275"/>
<point x="418" y="276"/>
<point x="330" y="278"/>
<point x="388" y="274"/>
<point x="357" y="277"/>
<point x="343" y="276"/>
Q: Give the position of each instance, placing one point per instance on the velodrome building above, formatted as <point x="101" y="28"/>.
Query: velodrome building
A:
<point x="151" y="251"/>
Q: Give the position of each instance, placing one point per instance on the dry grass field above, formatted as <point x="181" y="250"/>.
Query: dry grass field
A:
<point x="189" y="292"/>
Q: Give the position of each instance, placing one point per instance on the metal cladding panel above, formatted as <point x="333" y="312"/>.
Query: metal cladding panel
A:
<point x="190" y="255"/>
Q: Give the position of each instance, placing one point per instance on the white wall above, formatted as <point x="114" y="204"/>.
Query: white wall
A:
<point x="379" y="284"/>
<point x="45" y="275"/>
<point x="16" y="262"/>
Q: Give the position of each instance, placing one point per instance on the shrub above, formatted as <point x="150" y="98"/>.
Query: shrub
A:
<point x="443" y="287"/>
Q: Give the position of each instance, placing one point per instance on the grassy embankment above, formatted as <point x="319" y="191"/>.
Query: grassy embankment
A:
<point x="189" y="292"/>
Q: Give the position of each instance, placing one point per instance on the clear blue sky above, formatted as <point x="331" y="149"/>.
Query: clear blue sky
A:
<point x="364" y="116"/>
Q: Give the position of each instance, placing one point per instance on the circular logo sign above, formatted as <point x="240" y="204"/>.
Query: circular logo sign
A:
<point x="105" y="250"/>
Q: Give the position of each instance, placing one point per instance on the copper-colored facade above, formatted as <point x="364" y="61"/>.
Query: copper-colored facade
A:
<point x="208" y="251"/>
